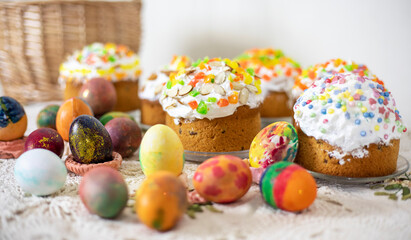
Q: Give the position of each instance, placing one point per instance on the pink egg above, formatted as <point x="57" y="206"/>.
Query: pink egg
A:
<point x="222" y="179"/>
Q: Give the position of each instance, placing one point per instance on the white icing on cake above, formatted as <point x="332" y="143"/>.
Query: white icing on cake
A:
<point x="349" y="112"/>
<point x="213" y="89"/>
<point x="333" y="66"/>
<point x="110" y="61"/>
<point x="151" y="88"/>
<point x="277" y="71"/>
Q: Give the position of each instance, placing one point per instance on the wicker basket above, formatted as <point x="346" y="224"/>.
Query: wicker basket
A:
<point x="35" y="38"/>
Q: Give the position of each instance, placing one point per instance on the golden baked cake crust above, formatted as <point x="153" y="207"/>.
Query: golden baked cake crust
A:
<point x="276" y="105"/>
<point x="127" y="98"/>
<point x="314" y="155"/>
<point x="231" y="133"/>
<point x="152" y="113"/>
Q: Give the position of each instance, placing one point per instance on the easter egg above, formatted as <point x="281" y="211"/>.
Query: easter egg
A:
<point x="222" y="179"/>
<point x="13" y="119"/>
<point x="100" y="94"/>
<point x="89" y="141"/>
<point x="111" y="115"/>
<point x="274" y="143"/>
<point x="288" y="186"/>
<point x="46" y="138"/>
<point x="161" y="200"/>
<point x="161" y="149"/>
<point x="40" y="172"/>
<point x="47" y="117"/>
<point x="68" y="111"/>
<point x="125" y="135"/>
<point x="104" y="192"/>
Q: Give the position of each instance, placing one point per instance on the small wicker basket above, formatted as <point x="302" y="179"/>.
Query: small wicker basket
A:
<point x="36" y="36"/>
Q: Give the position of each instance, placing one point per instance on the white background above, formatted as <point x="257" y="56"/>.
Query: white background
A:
<point x="374" y="32"/>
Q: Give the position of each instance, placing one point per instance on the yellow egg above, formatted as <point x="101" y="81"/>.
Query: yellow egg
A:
<point x="161" y="149"/>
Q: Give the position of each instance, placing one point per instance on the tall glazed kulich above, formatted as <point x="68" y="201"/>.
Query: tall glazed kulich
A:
<point x="348" y="125"/>
<point x="213" y="106"/>
<point x="113" y="62"/>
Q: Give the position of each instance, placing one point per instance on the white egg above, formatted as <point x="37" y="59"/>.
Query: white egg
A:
<point x="40" y="172"/>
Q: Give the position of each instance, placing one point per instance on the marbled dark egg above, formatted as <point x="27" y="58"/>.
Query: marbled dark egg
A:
<point x="125" y="135"/>
<point x="45" y="138"/>
<point x="47" y="117"/>
<point x="89" y="140"/>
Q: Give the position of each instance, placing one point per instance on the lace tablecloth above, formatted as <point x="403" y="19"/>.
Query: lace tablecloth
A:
<point x="339" y="212"/>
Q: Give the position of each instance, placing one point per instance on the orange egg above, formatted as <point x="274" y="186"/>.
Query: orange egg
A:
<point x="288" y="186"/>
<point x="161" y="201"/>
<point x="222" y="179"/>
<point x="70" y="109"/>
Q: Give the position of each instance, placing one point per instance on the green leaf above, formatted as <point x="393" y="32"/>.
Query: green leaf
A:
<point x="381" y="194"/>
<point x="393" y="186"/>
<point x="405" y="191"/>
<point x="195" y="208"/>
<point x="211" y="208"/>
<point x="393" y="196"/>
<point x="408" y="196"/>
<point x="377" y="186"/>
<point x="191" y="214"/>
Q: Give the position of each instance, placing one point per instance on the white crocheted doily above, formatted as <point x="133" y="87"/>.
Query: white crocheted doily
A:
<point x="339" y="212"/>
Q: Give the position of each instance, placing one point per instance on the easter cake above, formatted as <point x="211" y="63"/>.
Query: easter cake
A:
<point x="213" y="106"/>
<point x="115" y="63"/>
<point x="278" y="73"/>
<point x="151" y="111"/>
<point x="348" y="125"/>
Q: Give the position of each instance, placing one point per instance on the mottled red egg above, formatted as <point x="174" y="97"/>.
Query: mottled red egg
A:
<point x="222" y="179"/>
<point x="125" y="135"/>
<point x="45" y="138"/>
<point x="104" y="192"/>
<point x="100" y="94"/>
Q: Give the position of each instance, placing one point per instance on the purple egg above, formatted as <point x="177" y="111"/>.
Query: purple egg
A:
<point x="125" y="135"/>
<point x="45" y="138"/>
